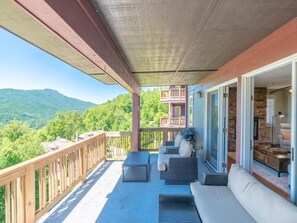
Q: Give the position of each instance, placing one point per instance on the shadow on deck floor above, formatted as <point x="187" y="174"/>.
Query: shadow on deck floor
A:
<point x="104" y="198"/>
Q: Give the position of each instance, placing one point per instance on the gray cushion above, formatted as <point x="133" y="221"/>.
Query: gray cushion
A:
<point x="163" y="149"/>
<point x="260" y="202"/>
<point x="218" y="204"/>
<point x="163" y="160"/>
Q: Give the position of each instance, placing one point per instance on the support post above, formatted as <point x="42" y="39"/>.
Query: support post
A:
<point x="238" y="121"/>
<point x="293" y="174"/>
<point x="30" y="194"/>
<point x="135" y="121"/>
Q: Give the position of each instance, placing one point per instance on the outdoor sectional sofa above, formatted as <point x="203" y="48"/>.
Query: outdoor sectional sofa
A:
<point x="233" y="198"/>
<point x="178" y="163"/>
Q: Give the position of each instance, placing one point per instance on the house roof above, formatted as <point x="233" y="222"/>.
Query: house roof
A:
<point x="59" y="143"/>
<point x="88" y="135"/>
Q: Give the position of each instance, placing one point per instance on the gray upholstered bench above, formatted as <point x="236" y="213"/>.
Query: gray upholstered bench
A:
<point x="236" y="197"/>
<point x="177" y="208"/>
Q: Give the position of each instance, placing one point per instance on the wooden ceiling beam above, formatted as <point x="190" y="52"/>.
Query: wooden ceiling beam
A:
<point x="78" y="24"/>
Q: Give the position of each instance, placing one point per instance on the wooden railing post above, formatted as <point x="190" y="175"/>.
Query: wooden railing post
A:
<point x="104" y="147"/>
<point x="139" y="139"/>
<point x="84" y="162"/>
<point x="30" y="194"/>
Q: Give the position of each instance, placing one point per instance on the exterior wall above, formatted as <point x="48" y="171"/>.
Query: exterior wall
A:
<point x="279" y="44"/>
<point x="198" y="117"/>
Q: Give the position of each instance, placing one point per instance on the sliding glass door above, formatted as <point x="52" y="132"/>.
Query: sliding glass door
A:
<point x="213" y="129"/>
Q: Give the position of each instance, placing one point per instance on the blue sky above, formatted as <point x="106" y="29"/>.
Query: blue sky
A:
<point x="24" y="66"/>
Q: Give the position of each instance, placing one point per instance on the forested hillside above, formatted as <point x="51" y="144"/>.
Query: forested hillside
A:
<point x="36" y="107"/>
<point x="114" y="115"/>
<point x="19" y="141"/>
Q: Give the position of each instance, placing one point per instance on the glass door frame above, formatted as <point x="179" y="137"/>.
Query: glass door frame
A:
<point x="210" y="122"/>
<point x="222" y="151"/>
<point x="247" y="124"/>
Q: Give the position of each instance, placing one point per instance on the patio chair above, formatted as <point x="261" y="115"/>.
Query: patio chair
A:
<point x="179" y="166"/>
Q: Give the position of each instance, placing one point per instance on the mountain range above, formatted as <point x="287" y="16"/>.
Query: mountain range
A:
<point x="36" y="107"/>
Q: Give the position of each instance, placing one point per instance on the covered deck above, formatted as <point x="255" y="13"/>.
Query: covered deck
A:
<point x="103" y="197"/>
<point x="205" y="43"/>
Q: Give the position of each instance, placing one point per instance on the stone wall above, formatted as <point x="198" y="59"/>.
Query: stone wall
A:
<point x="260" y="105"/>
<point x="232" y="119"/>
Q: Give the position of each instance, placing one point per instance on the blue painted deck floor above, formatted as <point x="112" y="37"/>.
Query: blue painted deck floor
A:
<point x="104" y="198"/>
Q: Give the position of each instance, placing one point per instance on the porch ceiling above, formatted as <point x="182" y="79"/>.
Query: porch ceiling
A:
<point x="179" y="42"/>
<point x="163" y="42"/>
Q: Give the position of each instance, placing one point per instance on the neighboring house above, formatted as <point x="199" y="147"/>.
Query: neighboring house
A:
<point x="175" y="97"/>
<point x="59" y="143"/>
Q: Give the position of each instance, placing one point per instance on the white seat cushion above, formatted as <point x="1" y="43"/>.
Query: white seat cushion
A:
<point x="218" y="204"/>
<point x="177" y="140"/>
<point x="163" y="160"/>
<point x="185" y="149"/>
<point x="285" y="125"/>
<point x="260" y="202"/>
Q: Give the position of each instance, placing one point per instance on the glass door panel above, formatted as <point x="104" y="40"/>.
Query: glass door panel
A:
<point x="212" y="128"/>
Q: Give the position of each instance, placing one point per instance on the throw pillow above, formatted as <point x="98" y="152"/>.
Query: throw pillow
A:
<point x="177" y="140"/>
<point x="185" y="149"/>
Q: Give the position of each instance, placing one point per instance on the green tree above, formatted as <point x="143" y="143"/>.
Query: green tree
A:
<point x="151" y="110"/>
<point x="18" y="143"/>
<point x="114" y="115"/>
<point x="65" y="125"/>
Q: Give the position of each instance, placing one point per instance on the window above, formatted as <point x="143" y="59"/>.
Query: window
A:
<point x="190" y="109"/>
<point x="270" y="110"/>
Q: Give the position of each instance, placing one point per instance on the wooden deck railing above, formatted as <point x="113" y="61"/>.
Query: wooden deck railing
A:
<point x="173" y="94"/>
<point x="172" y="122"/>
<point x="118" y="144"/>
<point x="152" y="138"/>
<point x="31" y="188"/>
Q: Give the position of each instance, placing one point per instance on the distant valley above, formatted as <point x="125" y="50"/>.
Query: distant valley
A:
<point x="36" y="107"/>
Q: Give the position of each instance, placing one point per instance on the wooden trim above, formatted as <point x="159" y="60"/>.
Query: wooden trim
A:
<point x="273" y="187"/>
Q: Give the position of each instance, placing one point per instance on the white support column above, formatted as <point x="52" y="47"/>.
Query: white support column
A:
<point x="247" y="123"/>
<point x="293" y="174"/>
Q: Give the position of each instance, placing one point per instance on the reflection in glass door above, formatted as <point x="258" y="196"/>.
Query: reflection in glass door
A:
<point x="212" y="129"/>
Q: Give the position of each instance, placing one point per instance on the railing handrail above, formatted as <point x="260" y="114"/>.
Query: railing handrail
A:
<point x="118" y="134"/>
<point x="160" y="129"/>
<point x="58" y="173"/>
<point x="169" y="94"/>
<point x="15" y="168"/>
